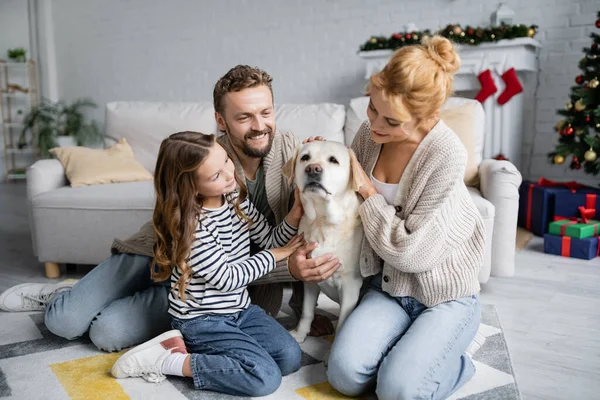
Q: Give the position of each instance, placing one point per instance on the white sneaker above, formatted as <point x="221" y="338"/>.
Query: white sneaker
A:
<point x="146" y="359"/>
<point x="32" y="296"/>
<point x="475" y="344"/>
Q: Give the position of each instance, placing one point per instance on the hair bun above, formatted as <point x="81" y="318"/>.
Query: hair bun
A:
<point x="441" y="50"/>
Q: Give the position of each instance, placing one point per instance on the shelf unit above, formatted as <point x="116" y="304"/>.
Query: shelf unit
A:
<point x="18" y="92"/>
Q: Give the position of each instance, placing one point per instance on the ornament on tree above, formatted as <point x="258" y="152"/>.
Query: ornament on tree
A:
<point x="560" y="124"/>
<point x="568" y="106"/>
<point x="579" y="132"/>
<point x="575" y="163"/>
<point x="594" y="83"/>
<point x="513" y="86"/>
<point x="579" y="106"/>
<point x="588" y="119"/>
<point x="590" y="155"/>
<point x="457" y="30"/>
<point x="598" y="23"/>
<point x="568" y="131"/>
<point x="579" y="80"/>
<point x="558" y="159"/>
<point x="530" y="32"/>
<point x="488" y="87"/>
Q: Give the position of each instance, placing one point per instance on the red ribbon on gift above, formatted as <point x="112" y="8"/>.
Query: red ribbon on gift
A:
<point x="566" y="246"/>
<point x="563" y="228"/>
<point x="569" y="185"/>
<point x="586" y="213"/>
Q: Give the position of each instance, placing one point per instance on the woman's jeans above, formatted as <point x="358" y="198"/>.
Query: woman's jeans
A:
<point x="406" y="350"/>
<point x="243" y="354"/>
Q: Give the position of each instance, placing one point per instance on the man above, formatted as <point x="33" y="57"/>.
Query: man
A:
<point x="117" y="302"/>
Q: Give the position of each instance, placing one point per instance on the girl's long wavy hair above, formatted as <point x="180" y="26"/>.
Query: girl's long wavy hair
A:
<point x="178" y="203"/>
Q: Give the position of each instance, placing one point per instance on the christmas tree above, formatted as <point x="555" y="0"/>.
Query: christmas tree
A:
<point x="579" y="130"/>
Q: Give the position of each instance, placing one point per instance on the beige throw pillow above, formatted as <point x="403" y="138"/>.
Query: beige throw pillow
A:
<point x="85" y="166"/>
<point x="460" y="120"/>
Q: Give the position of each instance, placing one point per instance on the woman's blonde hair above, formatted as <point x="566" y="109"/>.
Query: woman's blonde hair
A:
<point x="178" y="203"/>
<point x="418" y="79"/>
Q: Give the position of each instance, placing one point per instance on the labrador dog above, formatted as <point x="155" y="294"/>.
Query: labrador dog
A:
<point x="324" y="172"/>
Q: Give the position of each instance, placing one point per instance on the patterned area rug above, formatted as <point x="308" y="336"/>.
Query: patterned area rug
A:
<point x="35" y="364"/>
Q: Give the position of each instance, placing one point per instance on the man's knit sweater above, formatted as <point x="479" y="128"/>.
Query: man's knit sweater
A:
<point x="429" y="243"/>
<point x="279" y="192"/>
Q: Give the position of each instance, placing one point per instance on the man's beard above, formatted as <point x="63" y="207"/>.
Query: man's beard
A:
<point x="253" y="152"/>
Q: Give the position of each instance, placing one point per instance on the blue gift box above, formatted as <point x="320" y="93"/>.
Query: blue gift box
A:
<point x="566" y="204"/>
<point x="565" y="246"/>
<point x="536" y="206"/>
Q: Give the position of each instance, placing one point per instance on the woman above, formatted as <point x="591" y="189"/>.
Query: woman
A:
<point x="424" y="239"/>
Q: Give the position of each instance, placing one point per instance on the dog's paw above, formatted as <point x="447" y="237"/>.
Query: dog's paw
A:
<point x="299" y="336"/>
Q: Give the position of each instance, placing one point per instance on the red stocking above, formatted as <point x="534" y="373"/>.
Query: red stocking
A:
<point x="513" y="86"/>
<point x="488" y="87"/>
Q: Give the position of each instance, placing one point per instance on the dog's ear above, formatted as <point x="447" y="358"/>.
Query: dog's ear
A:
<point x="289" y="168"/>
<point x="354" y="167"/>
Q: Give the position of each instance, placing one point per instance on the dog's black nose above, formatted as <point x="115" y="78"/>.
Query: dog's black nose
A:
<point x="313" y="169"/>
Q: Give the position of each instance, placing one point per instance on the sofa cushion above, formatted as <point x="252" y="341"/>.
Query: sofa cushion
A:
<point x="460" y="120"/>
<point x="478" y="124"/>
<point x="146" y="124"/>
<point x="114" y="196"/>
<point x="304" y="120"/>
<point x="84" y="166"/>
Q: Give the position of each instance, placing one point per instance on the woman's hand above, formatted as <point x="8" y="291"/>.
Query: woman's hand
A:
<point x="365" y="185"/>
<point x="293" y="217"/>
<point x="284" y="252"/>
<point x="312" y="139"/>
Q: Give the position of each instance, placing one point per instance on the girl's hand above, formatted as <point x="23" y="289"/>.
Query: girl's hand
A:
<point x="293" y="217"/>
<point x="284" y="252"/>
<point x="365" y="185"/>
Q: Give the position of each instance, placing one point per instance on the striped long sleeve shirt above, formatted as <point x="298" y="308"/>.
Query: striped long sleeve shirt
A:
<point x="221" y="263"/>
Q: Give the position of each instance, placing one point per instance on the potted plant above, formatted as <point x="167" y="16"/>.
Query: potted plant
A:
<point x="17" y="55"/>
<point x="55" y="124"/>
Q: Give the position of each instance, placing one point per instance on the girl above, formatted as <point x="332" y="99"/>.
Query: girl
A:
<point x="424" y="239"/>
<point x="204" y="223"/>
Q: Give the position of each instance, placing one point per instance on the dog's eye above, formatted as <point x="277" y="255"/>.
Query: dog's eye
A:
<point x="305" y="157"/>
<point x="333" y="160"/>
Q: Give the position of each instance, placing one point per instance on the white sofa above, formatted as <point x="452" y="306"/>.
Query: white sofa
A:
<point x="77" y="225"/>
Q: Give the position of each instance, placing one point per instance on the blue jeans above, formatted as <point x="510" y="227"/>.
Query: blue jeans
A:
<point x="406" y="350"/>
<point x="243" y="354"/>
<point x="116" y="302"/>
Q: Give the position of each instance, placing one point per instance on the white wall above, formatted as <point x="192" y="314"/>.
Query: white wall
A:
<point x="14" y="32"/>
<point x="176" y="50"/>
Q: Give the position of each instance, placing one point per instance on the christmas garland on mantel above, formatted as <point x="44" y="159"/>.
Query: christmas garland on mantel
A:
<point x="469" y="35"/>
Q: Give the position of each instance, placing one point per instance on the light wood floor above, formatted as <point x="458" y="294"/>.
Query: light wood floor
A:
<point x="550" y="310"/>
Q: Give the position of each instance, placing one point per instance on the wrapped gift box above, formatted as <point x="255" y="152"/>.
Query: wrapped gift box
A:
<point x="575" y="229"/>
<point x="584" y="203"/>
<point x="566" y="246"/>
<point x="537" y="203"/>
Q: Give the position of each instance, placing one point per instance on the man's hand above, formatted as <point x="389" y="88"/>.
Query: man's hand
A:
<point x="312" y="139"/>
<point x="311" y="269"/>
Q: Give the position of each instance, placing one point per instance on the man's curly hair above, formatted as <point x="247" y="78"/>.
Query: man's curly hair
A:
<point x="238" y="78"/>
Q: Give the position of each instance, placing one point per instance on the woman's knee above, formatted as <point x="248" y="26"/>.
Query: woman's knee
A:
<point x="347" y="374"/>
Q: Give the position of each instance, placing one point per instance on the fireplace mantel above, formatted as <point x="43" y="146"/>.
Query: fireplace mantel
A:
<point x="504" y="124"/>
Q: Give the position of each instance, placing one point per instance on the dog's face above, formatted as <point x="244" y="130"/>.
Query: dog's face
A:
<point x="322" y="169"/>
